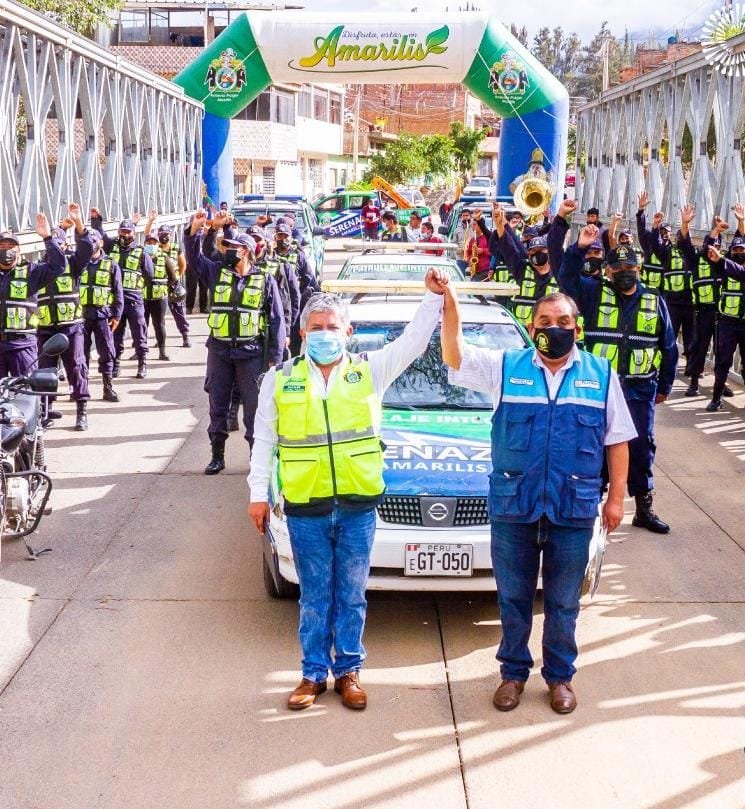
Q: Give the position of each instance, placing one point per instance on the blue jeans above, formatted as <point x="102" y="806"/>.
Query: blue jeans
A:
<point x="516" y="550"/>
<point x="332" y="559"/>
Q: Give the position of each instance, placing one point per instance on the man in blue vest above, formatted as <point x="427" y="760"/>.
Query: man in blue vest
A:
<point x="628" y="323"/>
<point x="319" y="414"/>
<point x="558" y="411"/>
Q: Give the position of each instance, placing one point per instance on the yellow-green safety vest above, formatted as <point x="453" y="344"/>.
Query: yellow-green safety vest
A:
<point x="19" y="308"/>
<point x="732" y="299"/>
<point x="157" y="289"/>
<point x="237" y="315"/>
<point x="97" y="284"/>
<point x="651" y="273"/>
<point x="330" y="448"/>
<point x="704" y="286"/>
<point x="132" y="277"/>
<point x="528" y="294"/>
<point x="59" y="302"/>
<point x="675" y="277"/>
<point x="633" y="351"/>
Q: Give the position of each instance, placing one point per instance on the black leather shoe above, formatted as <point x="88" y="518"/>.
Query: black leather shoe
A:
<point x="186" y="342"/>
<point x="727" y="391"/>
<point x="81" y="421"/>
<point x="645" y="516"/>
<point x="692" y="389"/>
<point x="714" y="405"/>
<point x="109" y="394"/>
<point x="141" y="369"/>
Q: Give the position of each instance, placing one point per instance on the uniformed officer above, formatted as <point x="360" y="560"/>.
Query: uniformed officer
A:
<point x="177" y="291"/>
<point x="557" y="412"/>
<point x="247" y="329"/>
<point x="290" y="252"/>
<point x="629" y="325"/>
<point x="137" y="271"/>
<point x="60" y="311"/>
<point x="730" y="267"/>
<point x="20" y="282"/>
<point x="320" y="414"/>
<point x="155" y="293"/>
<point x="651" y="271"/>
<point x="102" y="299"/>
<point x="531" y="268"/>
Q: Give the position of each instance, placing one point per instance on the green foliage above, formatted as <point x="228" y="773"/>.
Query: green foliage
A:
<point x="81" y="16"/>
<point x="466" y="144"/>
<point x="403" y="161"/>
<point x="360" y="185"/>
<point x="520" y="34"/>
<point x="437" y="152"/>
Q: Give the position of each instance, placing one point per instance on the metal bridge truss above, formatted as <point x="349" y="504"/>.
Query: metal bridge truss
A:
<point x="78" y="124"/>
<point x="632" y="138"/>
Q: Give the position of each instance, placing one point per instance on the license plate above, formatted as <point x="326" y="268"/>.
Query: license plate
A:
<point x="438" y="560"/>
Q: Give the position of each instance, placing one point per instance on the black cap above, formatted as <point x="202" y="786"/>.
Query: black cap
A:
<point x="8" y="236"/>
<point x="242" y="240"/>
<point x="127" y="224"/>
<point x="152" y="236"/>
<point x="257" y="231"/>
<point x="283" y="228"/>
<point x="593" y="212"/>
<point x="538" y="243"/>
<point x="165" y="229"/>
<point x="622" y="257"/>
<point x="737" y="241"/>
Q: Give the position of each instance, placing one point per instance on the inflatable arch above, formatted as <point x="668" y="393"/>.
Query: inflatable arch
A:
<point x="262" y="48"/>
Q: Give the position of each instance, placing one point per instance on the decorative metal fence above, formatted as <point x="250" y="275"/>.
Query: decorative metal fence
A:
<point x="78" y="124"/>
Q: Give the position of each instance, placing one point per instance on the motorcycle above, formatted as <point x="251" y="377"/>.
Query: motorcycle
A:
<point x="25" y="486"/>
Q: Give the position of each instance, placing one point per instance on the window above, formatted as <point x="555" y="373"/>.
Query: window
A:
<point x="283" y="108"/>
<point x="356" y="203"/>
<point x="304" y="103"/>
<point x="267" y="175"/>
<point x="332" y="204"/>
<point x="335" y="109"/>
<point x="158" y="27"/>
<point x="258" y="110"/>
<point x="320" y="105"/>
<point x="133" y="26"/>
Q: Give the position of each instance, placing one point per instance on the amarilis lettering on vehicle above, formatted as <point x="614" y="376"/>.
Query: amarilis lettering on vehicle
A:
<point x="404" y="49"/>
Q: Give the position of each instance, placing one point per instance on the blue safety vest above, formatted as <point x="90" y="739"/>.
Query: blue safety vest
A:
<point x="547" y="455"/>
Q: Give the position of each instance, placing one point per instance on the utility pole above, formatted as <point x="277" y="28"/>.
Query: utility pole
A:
<point x="356" y="142"/>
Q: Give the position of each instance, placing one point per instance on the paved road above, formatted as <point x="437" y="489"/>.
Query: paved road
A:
<point x="143" y="667"/>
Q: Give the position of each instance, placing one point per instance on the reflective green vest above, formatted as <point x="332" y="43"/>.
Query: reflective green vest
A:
<point x="237" y="315"/>
<point x="704" y="287"/>
<point x="387" y="235"/>
<point x="328" y="448"/>
<point x="651" y="273"/>
<point x="132" y="277"/>
<point x="18" y="310"/>
<point x="675" y="277"/>
<point x="59" y="302"/>
<point x="633" y="350"/>
<point x="157" y="289"/>
<point x="732" y="299"/>
<point x="97" y="284"/>
<point x="528" y="294"/>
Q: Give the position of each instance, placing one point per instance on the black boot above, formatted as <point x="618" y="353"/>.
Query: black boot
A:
<point x="645" y="516"/>
<point x="714" y="405"/>
<point x="162" y="353"/>
<point x="727" y="391"/>
<point x="141" y="369"/>
<point x="109" y="394"/>
<point x="81" y="422"/>
<point x="693" y="387"/>
<point x="217" y="464"/>
<point x="233" y="417"/>
<point x="115" y="371"/>
<point x="186" y="341"/>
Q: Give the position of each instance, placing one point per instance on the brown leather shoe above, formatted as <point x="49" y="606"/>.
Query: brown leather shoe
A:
<point x="507" y="696"/>
<point x="352" y="694"/>
<point x="562" y="697"/>
<point x="305" y="694"/>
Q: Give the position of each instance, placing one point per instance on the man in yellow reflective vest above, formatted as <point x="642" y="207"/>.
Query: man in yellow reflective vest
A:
<point x="629" y="325"/>
<point x="320" y="413"/>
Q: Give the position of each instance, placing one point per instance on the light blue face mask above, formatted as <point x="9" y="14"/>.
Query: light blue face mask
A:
<point x="325" y="347"/>
<point x="151" y="249"/>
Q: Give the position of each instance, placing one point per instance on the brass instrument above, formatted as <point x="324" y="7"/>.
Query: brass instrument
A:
<point x="532" y="197"/>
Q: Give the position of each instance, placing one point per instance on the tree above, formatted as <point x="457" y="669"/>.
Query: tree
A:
<point x="520" y="34"/>
<point x="466" y="144"/>
<point x="403" y="161"/>
<point x="81" y="16"/>
<point x="437" y="152"/>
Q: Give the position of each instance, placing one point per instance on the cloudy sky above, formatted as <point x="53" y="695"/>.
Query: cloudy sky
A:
<point x="639" y="16"/>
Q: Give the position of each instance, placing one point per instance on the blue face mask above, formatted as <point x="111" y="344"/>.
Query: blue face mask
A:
<point x="325" y="347"/>
<point x="151" y="249"/>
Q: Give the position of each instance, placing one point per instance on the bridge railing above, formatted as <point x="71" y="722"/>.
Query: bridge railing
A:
<point x="80" y="125"/>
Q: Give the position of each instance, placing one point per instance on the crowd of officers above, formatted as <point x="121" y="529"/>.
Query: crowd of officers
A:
<point x="90" y="286"/>
<point x="636" y="293"/>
